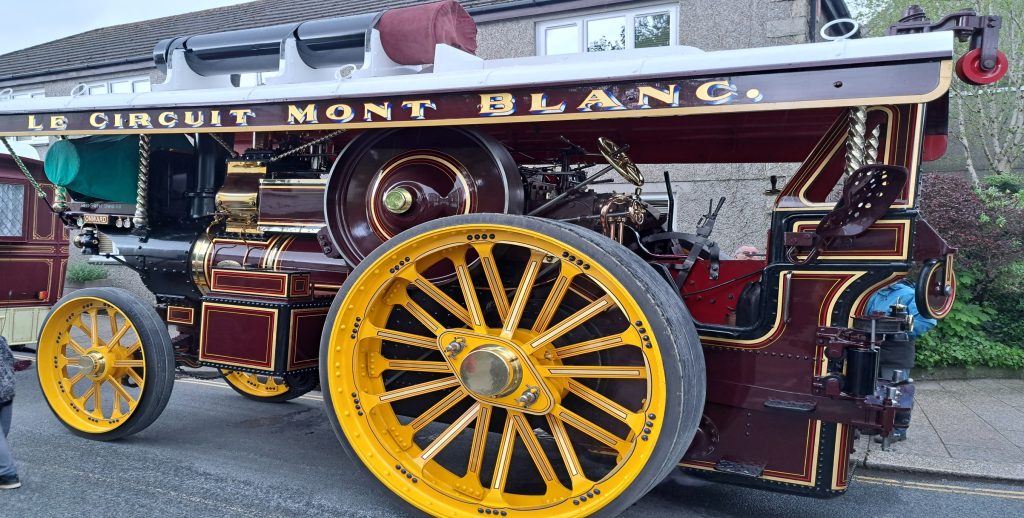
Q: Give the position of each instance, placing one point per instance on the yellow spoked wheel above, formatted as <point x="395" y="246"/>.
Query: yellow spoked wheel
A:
<point x="505" y="365"/>
<point x="106" y="365"/>
<point x="271" y="389"/>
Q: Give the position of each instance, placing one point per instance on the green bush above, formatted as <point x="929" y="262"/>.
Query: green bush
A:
<point x="986" y="326"/>
<point x="80" y="273"/>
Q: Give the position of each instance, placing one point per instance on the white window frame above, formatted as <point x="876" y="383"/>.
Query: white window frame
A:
<point x="106" y="83"/>
<point x="34" y="93"/>
<point x="580" y="22"/>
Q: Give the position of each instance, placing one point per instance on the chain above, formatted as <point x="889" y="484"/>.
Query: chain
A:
<point x="294" y="150"/>
<point x="219" y="140"/>
<point x="24" y="169"/>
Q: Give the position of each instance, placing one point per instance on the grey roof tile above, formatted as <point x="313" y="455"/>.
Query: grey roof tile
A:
<point x="134" y="42"/>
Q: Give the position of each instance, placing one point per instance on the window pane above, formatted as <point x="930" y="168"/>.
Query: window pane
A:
<point x="12" y="210"/>
<point x="562" y="40"/>
<point x="606" y="34"/>
<point x="97" y="89"/>
<point x="141" y="86"/>
<point x="121" y="87"/>
<point x="651" y="30"/>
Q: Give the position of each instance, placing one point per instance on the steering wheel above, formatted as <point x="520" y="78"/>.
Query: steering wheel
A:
<point x="620" y="161"/>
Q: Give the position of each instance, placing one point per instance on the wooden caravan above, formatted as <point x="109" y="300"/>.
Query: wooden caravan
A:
<point x="492" y="333"/>
<point x="33" y="249"/>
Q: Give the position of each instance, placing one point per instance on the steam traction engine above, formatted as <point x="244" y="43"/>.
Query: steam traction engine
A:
<point x="414" y="229"/>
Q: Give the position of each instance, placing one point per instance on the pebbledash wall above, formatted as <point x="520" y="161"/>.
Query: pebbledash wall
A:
<point x="118" y="59"/>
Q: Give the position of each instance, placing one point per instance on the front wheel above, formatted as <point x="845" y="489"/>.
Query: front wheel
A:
<point x="505" y="365"/>
<point x="106" y="364"/>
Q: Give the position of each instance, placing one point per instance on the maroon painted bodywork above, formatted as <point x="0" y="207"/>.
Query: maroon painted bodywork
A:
<point x="32" y="263"/>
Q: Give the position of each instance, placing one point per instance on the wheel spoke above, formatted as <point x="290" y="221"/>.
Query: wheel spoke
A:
<point x="129" y="363"/>
<point x="508" y="441"/>
<point x="132" y="348"/>
<point x="118" y="334"/>
<point x="418" y="366"/>
<point x="572" y="463"/>
<point x="73" y="380"/>
<point x="448" y="435"/>
<point x="570" y="323"/>
<point x="533" y="447"/>
<point x="479" y="445"/>
<point x="74" y="345"/>
<point x="422" y="316"/>
<point x="591" y="346"/>
<point x="94" y="327"/>
<point x="429" y="289"/>
<point x="554" y="300"/>
<point x="588" y="427"/>
<point x="135" y="377"/>
<point x="490" y="268"/>
<point x="600" y="401"/>
<point x="469" y="292"/>
<point x="118" y="389"/>
<point x="416" y="390"/>
<point x="406" y="338"/>
<point x="592" y="371"/>
<point x="439" y="408"/>
<point x="112" y="320"/>
<point x="522" y="293"/>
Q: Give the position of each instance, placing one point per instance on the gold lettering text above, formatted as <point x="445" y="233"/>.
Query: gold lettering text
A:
<point x="418" y="108"/>
<point x="167" y="119"/>
<point x="669" y="97"/>
<point x="339" y="113"/>
<point x="303" y="115"/>
<point x="194" y="119"/>
<point x="715" y="92"/>
<point x="497" y="105"/>
<point x="140" y="120"/>
<point x="58" y="122"/>
<point x="539" y="105"/>
<point x="33" y="124"/>
<point x="600" y="100"/>
<point x="99" y="120"/>
<point x="381" y="110"/>
<point x="242" y="116"/>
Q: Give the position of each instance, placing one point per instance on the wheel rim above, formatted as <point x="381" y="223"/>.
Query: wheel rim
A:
<point x="92" y="366"/>
<point x="257" y="385"/>
<point x="539" y="336"/>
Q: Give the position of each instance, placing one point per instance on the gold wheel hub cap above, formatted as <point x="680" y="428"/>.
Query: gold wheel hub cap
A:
<point x="93" y="363"/>
<point x="491" y="371"/>
<point x="398" y="200"/>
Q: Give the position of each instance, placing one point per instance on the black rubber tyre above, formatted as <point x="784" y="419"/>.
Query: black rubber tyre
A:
<point x="156" y="348"/>
<point x="669" y="322"/>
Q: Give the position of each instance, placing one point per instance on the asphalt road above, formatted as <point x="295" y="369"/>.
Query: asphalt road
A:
<point x="214" y="453"/>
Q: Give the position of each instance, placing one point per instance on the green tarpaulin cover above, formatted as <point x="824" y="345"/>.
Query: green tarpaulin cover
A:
<point x="103" y="167"/>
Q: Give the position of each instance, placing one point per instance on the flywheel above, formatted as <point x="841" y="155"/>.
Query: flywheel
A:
<point x="388" y="181"/>
<point x="554" y="374"/>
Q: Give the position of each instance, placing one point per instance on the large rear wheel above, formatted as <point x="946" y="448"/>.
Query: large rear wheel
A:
<point x="499" y="364"/>
<point x="106" y="364"/>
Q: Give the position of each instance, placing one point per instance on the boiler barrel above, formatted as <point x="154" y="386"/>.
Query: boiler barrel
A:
<point x="284" y="252"/>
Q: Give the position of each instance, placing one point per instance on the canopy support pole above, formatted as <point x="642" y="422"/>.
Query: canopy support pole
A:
<point x="141" y="218"/>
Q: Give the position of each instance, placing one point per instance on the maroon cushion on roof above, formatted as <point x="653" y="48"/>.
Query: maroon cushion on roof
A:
<point x="410" y="33"/>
